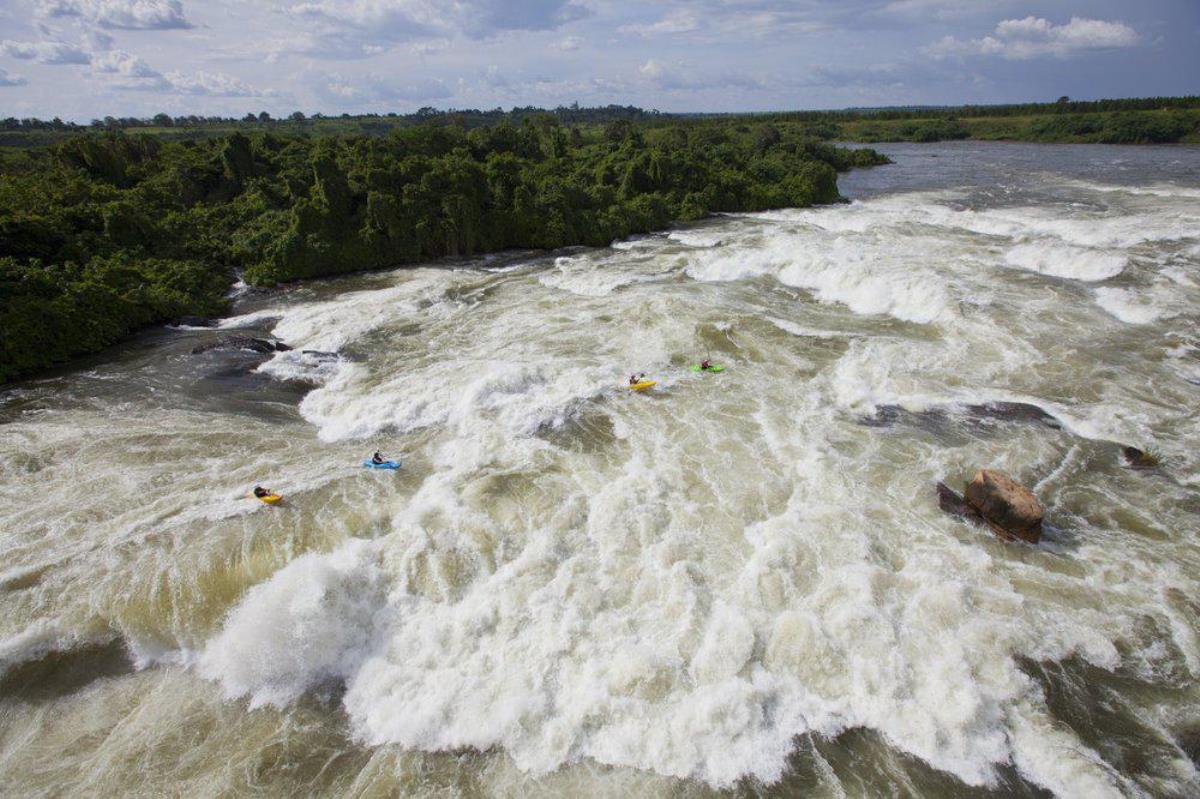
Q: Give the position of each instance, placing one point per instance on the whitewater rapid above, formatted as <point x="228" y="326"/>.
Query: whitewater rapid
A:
<point x="679" y="585"/>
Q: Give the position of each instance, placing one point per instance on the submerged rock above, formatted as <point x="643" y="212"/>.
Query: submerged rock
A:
<point x="979" y="415"/>
<point x="1013" y="412"/>
<point x="1008" y="507"/>
<point x="1140" y="459"/>
<point x="242" y="343"/>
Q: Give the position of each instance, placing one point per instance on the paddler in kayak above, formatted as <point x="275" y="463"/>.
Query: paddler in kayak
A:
<point x="261" y="492"/>
<point x="706" y="364"/>
<point x="377" y="458"/>
<point x="635" y="379"/>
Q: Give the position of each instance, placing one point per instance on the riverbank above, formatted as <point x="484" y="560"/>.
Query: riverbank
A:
<point x="106" y="233"/>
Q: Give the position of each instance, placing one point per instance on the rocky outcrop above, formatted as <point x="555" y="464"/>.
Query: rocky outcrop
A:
<point x="995" y="499"/>
<point x="242" y="343"/>
<point x="1008" y="507"/>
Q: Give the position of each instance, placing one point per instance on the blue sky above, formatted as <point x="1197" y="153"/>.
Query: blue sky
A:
<point x="80" y="59"/>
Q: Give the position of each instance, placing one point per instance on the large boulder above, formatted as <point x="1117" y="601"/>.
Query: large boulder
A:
<point x="241" y="343"/>
<point x="1008" y="507"/>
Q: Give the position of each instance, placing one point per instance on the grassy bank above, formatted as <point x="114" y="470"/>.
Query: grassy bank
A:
<point x="1176" y="126"/>
<point x="101" y="234"/>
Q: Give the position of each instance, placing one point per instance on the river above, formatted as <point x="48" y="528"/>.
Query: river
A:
<point x="730" y="583"/>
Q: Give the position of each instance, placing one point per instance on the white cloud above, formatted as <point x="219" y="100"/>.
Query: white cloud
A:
<point x="568" y="44"/>
<point x="215" y="84"/>
<point x="683" y="21"/>
<point x="45" y="52"/>
<point x="683" y="76"/>
<point x="127" y="14"/>
<point x="124" y="65"/>
<point x="1034" y="37"/>
<point x="10" y="79"/>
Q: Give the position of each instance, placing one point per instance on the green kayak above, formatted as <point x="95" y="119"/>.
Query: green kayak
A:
<point x="713" y="368"/>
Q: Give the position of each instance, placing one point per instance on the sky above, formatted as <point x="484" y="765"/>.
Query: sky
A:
<point x="84" y="59"/>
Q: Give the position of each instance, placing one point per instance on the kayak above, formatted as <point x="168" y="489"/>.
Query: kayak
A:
<point x="270" y="499"/>
<point x="714" y="368"/>
<point x="641" y="385"/>
<point x="370" y="464"/>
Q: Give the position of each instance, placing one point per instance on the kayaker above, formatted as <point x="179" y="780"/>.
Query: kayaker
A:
<point x="633" y="380"/>
<point x="376" y="458"/>
<point x="706" y="364"/>
<point x="261" y="492"/>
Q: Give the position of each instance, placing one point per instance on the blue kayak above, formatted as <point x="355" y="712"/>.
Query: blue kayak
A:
<point x="370" y="464"/>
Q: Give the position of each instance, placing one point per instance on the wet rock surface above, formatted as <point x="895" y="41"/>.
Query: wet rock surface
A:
<point x="974" y="416"/>
<point x="1008" y="507"/>
<point x="250" y="343"/>
<point x="995" y="499"/>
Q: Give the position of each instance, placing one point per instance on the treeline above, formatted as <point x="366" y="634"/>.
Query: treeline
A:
<point x="573" y="114"/>
<point x="1119" y="127"/>
<point x="1064" y="105"/>
<point x="107" y="232"/>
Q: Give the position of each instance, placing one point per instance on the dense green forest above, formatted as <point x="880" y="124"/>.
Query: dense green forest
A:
<point x="103" y="233"/>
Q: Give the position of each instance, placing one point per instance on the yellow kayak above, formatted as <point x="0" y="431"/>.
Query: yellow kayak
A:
<point x="642" y="385"/>
<point x="270" y="499"/>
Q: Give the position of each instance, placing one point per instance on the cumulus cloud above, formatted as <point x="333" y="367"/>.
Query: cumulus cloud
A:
<point x="213" y="84"/>
<point x="126" y="14"/>
<point x="45" y="52"/>
<point x="9" y="79"/>
<point x="682" y="76"/>
<point x="1034" y="37"/>
<point x="126" y="65"/>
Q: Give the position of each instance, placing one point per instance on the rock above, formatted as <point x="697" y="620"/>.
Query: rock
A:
<point x="194" y="321"/>
<point x="1139" y="459"/>
<point x="1013" y="412"/>
<point x="242" y="343"/>
<point x="952" y="502"/>
<point x="978" y="416"/>
<point x="1008" y="507"/>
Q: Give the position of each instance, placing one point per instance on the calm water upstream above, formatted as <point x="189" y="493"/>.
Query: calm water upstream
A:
<point x="735" y="582"/>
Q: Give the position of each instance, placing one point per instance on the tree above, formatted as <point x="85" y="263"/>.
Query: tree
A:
<point x="297" y="116"/>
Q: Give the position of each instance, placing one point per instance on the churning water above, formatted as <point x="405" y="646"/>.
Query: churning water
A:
<point x="735" y="581"/>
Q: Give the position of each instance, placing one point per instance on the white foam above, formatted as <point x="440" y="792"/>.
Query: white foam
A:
<point x="309" y="624"/>
<point x="1066" y="261"/>
<point x="1131" y="307"/>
